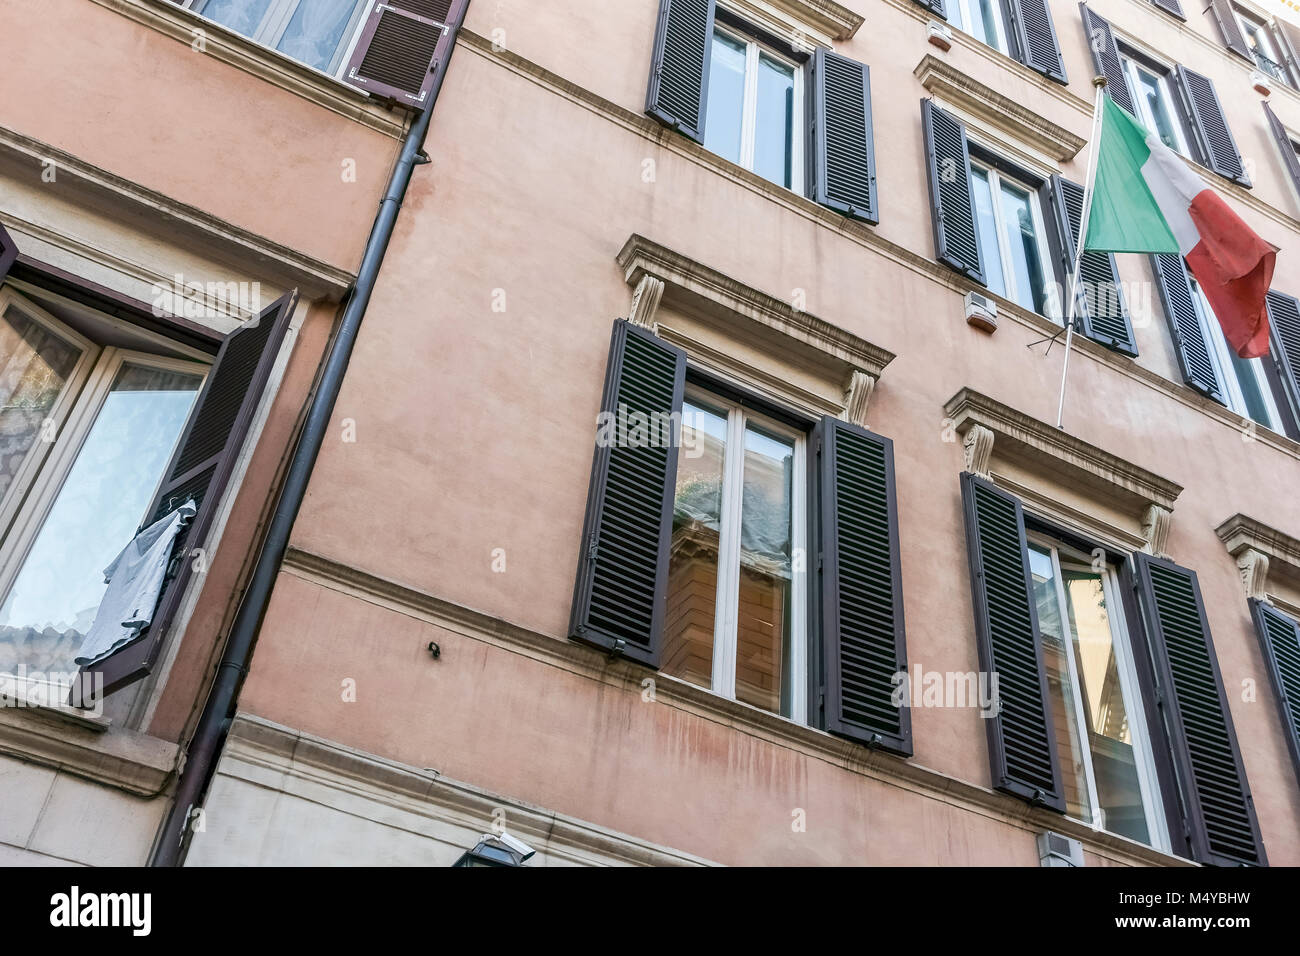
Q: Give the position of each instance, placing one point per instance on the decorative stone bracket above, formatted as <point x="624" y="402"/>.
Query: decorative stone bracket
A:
<point x="1262" y="553"/>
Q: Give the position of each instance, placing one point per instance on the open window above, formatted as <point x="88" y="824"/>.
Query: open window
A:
<point x="1022" y="29"/>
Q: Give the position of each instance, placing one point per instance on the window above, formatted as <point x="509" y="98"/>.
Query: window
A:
<point x="1107" y="766"/>
<point x="982" y="19"/>
<point x="1013" y="239"/>
<point x="315" y="32"/>
<point x="737" y="601"/>
<point x="1245" y="383"/>
<point x="1261" y="46"/>
<point x="755" y="108"/>
<point x="87" y="432"/>
<point x="1154" y="101"/>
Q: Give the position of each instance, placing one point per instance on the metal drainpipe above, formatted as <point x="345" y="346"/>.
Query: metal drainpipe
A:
<point x="214" y="723"/>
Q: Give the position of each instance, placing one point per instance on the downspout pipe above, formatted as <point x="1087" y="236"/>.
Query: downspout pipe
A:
<point x="214" y="723"/>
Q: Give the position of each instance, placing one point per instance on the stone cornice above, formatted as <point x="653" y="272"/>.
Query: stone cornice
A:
<point x="1016" y="436"/>
<point x="1022" y="124"/>
<point x="220" y="43"/>
<point x="51" y="737"/>
<point x="825" y="19"/>
<point x="1262" y="553"/>
<point x="814" y="744"/>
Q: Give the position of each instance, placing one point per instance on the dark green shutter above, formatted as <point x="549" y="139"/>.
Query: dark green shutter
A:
<point x="1210" y="125"/>
<point x="1219" y="812"/>
<point x="1105" y="57"/>
<point x="936" y="7"/>
<point x="201" y="468"/>
<point x="1171" y="6"/>
<point x="863" y="643"/>
<point x="623" y="569"/>
<point x="1103" y="314"/>
<point x="952" y="198"/>
<point x="1184" y="326"/>
<point x="1290" y="161"/>
<point x="844" y="162"/>
<point x="1036" y="37"/>
<point x="1279" y="636"/>
<point x="8" y="252"/>
<point x="679" y="69"/>
<point x="1284" y="322"/>
<point x="1230" y="30"/>
<point x="1022" y="745"/>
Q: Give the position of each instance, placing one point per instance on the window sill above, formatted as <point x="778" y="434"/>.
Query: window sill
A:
<point x="270" y="65"/>
<point x="83" y="746"/>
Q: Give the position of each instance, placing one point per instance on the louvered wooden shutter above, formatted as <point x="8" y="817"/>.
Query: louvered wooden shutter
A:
<point x="1220" y="815"/>
<point x="1211" y="126"/>
<point x="863" y="644"/>
<point x="1279" y="636"/>
<point x="936" y="7"/>
<point x="1022" y="744"/>
<point x="200" y="468"/>
<point x="1104" y="315"/>
<point x="1287" y="147"/>
<point x="8" y="252"/>
<point x="619" y="598"/>
<point x="679" y="69"/>
<point x="1284" y="330"/>
<point x="952" y="199"/>
<point x="1230" y="29"/>
<point x="403" y="46"/>
<point x="844" y="163"/>
<point x="1184" y="326"/>
<point x="1171" y="6"/>
<point x="1036" y="37"/>
<point x="1105" y="56"/>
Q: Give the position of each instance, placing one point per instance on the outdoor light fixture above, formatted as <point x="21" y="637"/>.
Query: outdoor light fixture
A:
<point x="503" y="850"/>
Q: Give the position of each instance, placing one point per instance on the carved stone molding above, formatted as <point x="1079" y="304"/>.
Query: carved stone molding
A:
<point x="945" y="81"/>
<point x="817" y="20"/>
<point x="1155" y="530"/>
<point x="645" y="302"/>
<point x="1045" y="449"/>
<point x="857" y="396"/>
<point x="1263" y="554"/>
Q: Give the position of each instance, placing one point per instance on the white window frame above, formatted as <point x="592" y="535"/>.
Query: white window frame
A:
<point x="749" y="107"/>
<point x="1051" y="297"/>
<point x="34" y="511"/>
<point x="1130" y="687"/>
<point x="1131" y="73"/>
<point x="966" y="17"/>
<point x="276" y="20"/>
<point x="1226" y="369"/>
<point x="726" y="622"/>
<point x="1250" y="24"/>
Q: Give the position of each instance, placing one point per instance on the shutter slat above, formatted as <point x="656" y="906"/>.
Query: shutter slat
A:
<point x="1283" y="139"/>
<point x="623" y="569"/>
<point x="952" y="199"/>
<point x="1174" y="7"/>
<point x="936" y="7"/>
<point x="201" y="468"/>
<point x="844" y="162"/>
<point x="1105" y="56"/>
<point x="863" y="642"/>
<point x="1284" y="330"/>
<point x="679" y="67"/>
<point x="1101" y="305"/>
<point x="1022" y="744"/>
<point x="1279" y="635"/>
<point x="1036" y="38"/>
<point x="403" y="46"/>
<point x="1230" y="30"/>
<point x="1184" y="327"/>
<point x="1221" y="814"/>
<point x="1211" y="125"/>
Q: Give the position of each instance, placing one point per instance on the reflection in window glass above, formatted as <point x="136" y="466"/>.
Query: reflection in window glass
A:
<point x="57" y="591"/>
<point x="725" y="115"/>
<point x="1024" y="247"/>
<point x="242" y="16"/>
<point x="774" y="119"/>
<point x="316" y="30"/>
<point x="988" y="231"/>
<point x="1158" y="117"/>
<point x="693" y="560"/>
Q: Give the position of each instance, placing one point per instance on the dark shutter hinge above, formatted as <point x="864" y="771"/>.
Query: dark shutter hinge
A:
<point x="616" y="649"/>
<point x="819" y="560"/>
<point x="591" y="547"/>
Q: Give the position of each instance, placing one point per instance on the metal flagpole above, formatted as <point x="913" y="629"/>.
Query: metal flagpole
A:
<point x="1100" y="83"/>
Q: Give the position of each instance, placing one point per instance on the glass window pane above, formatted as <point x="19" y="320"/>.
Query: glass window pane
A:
<point x="1250" y="380"/>
<point x="34" y="368"/>
<point x="95" y="514"/>
<point x="765" y="571"/>
<point x="1152" y="93"/>
<point x="1060" y="691"/>
<point x="316" y="30"/>
<point x="242" y="16"/>
<point x="693" y="558"/>
<point x="1110" y="741"/>
<point x="1022" y="243"/>
<point x="774" y="122"/>
<point x="988" y="232"/>
<point x="726" y="104"/>
<point x="986" y="25"/>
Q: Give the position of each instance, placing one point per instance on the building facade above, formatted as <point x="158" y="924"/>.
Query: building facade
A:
<point x="694" y="493"/>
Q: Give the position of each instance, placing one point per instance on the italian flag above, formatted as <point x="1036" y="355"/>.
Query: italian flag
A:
<point x="1146" y="199"/>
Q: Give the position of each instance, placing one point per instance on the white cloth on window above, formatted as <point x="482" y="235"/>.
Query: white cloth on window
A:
<point x="135" y="580"/>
